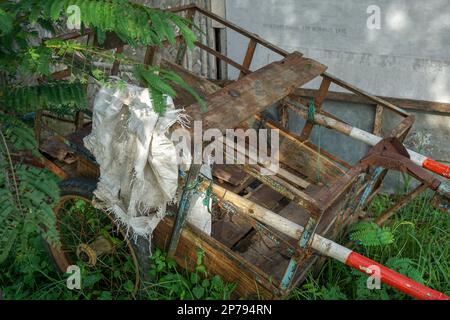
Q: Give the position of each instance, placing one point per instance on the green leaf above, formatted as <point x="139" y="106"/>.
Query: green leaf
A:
<point x="6" y="23"/>
<point x="369" y="234"/>
<point x="129" y="286"/>
<point x="198" y="292"/>
<point x="56" y="9"/>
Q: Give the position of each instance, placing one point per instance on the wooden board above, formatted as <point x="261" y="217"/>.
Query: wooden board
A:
<point x="265" y="197"/>
<point x="202" y="86"/>
<point x="302" y="158"/>
<point x="230" y="230"/>
<point x="250" y="281"/>
<point x="250" y="95"/>
<point x="229" y="173"/>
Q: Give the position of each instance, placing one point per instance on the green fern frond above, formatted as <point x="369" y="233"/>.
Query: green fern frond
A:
<point x="28" y="99"/>
<point x="18" y="134"/>
<point x="406" y="267"/>
<point x="27" y="194"/>
<point x="6" y="23"/>
<point x="369" y="234"/>
<point x="134" y="23"/>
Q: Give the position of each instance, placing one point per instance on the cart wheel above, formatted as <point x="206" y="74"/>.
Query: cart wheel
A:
<point x="92" y="240"/>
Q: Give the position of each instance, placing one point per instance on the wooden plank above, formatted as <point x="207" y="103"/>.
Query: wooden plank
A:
<point x="202" y="86"/>
<point x="295" y="214"/>
<point x="360" y="92"/>
<point x="244" y="32"/>
<point x="249" y="56"/>
<point x="302" y="158"/>
<point x="222" y="57"/>
<point x="230" y="229"/>
<point x="250" y="95"/>
<point x="266" y="197"/>
<point x="318" y="100"/>
<point x="249" y="280"/>
<point x="408" y="104"/>
<point x="229" y="173"/>
<point x="378" y="123"/>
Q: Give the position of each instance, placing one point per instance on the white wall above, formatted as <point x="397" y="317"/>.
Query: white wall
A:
<point x="408" y="57"/>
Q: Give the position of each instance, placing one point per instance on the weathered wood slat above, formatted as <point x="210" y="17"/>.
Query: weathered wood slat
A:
<point x="202" y="86"/>
<point x="378" y="123"/>
<point x="250" y="281"/>
<point x="254" y="93"/>
<point x="408" y="104"/>
<point x="301" y="157"/>
<point x="318" y="100"/>
<point x="248" y="56"/>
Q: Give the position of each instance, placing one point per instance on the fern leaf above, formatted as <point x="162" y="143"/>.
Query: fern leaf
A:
<point x="56" y="8"/>
<point x="369" y="234"/>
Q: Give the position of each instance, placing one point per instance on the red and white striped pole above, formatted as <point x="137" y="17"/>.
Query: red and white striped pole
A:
<point x="392" y="278"/>
<point x="368" y="138"/>
<point x="327" y="247"/>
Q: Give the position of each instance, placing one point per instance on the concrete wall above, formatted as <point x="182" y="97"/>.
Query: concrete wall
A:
<point x="407" y="57"/>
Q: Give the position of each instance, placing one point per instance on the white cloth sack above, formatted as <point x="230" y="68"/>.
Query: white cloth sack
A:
<point x="138" y="161"/>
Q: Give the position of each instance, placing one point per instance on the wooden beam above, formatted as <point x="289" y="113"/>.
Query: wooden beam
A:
<point x="378" y="123"/>
<point x="150" y="55"/>
<point x="408" y="104"/>
<point x="318" y="100"/>
<point x="249" y="56"/>
<point x="222" y="57"/>
<point x="252" y="94"/>
<point x="244" y="32"/>
<point x="183" y="46"/>
<point x="360" y="92"/>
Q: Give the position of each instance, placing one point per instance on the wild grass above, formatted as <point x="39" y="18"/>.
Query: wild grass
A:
<point x="420" y="250"/>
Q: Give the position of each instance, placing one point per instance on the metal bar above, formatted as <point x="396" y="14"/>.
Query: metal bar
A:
<point x="407" y="104"/>
<point x="183" y="208"/>
<point x="410" y="196"/>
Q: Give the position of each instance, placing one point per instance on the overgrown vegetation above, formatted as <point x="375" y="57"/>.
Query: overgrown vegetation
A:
<point x="27" y="61"/>
<point x="415" y="242"/>
<point x="419" y="250"/>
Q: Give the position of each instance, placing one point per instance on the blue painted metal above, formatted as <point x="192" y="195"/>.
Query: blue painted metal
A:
<point x="289" y="274"/>
<point x="189" y="188"/>
<point x="303" y="243"/>
<point x="369" y="189"/>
